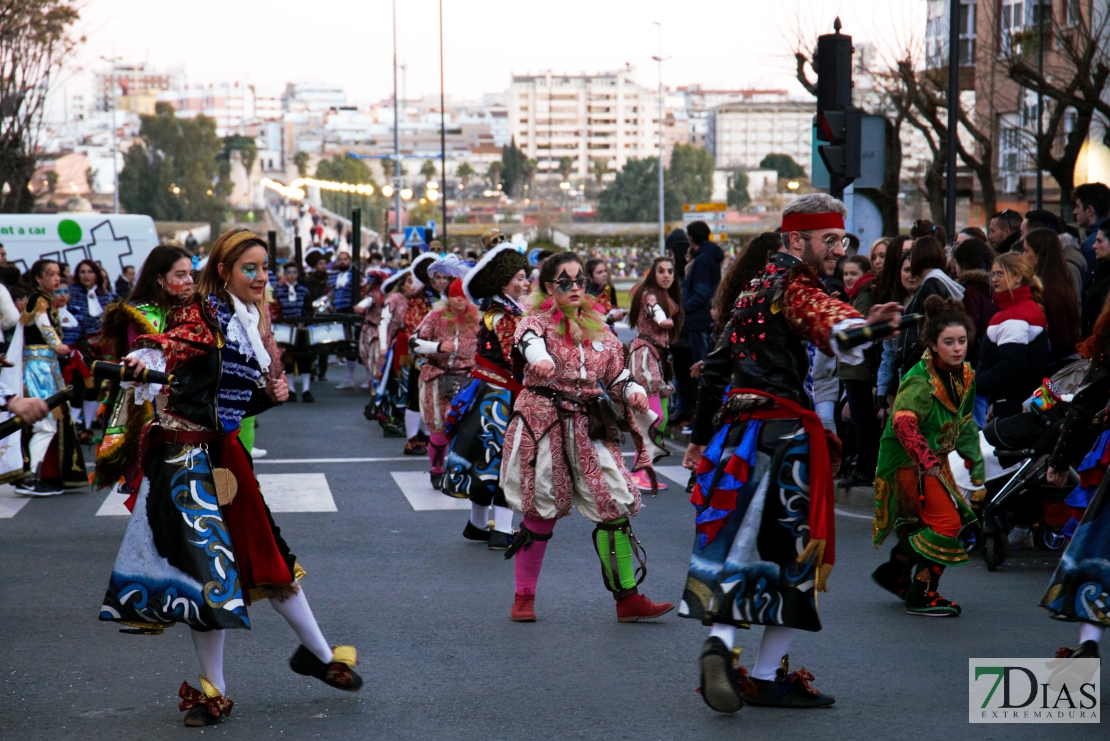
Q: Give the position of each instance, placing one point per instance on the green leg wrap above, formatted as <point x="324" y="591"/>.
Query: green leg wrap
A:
<point x="663" y="419"/>
<point x="615" y="545"/>
<point x="246" y="433"/>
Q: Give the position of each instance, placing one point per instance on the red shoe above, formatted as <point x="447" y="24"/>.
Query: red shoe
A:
<point x="524" y="608"/>
<point x="638" y="607"/>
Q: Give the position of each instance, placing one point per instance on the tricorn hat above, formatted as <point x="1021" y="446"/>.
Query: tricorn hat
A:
<point x="496" y="268"/>
<point x="421" y="264"/>
<point x="395" y="279"/>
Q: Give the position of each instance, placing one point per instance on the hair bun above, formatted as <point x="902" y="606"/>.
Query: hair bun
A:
<point x="934" y="305"/>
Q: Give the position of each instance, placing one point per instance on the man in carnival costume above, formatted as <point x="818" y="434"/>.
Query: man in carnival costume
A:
<point x="764" y="465"/>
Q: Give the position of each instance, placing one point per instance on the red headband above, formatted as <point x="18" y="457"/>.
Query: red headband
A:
<point x="811" y="222"/>
<point x="456" y="289"/>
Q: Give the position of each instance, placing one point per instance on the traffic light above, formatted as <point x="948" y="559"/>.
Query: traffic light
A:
<point x="838" y="122"/>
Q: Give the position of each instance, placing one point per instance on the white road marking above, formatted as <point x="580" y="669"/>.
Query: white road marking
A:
<point x="417" y="488"/>
<point x="113" y="505"/>
<point x="677" y="474"/>
<point x="413" y="458"/>
<point x="10" y="502"/>
<point x="296" y="492"/>
<point x="853" y="514"/>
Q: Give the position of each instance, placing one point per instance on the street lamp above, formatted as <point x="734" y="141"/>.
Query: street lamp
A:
<point x="793" y="185"/>
<point x="432" y="195"/>
<point x="387" y="191"/>
<point x="406" y="194"/>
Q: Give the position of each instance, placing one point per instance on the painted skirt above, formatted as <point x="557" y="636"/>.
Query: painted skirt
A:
<point x="476" y="425"/>
<point x="752" y="502"/>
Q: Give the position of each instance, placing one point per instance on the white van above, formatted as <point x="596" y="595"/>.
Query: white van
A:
<point x="113" y="240"/>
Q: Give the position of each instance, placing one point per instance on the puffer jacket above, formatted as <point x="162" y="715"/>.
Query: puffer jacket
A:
<point x="1014" y="352"/>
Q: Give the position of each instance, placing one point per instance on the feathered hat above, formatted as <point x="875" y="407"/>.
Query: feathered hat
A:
<point x="451" y="266"/>
<point x="496" y="268"/>
<point x="391" y="281"/>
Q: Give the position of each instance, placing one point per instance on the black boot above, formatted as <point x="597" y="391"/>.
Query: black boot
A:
<point x="723" y="683"/>
<point x="788" y="690"/>
<point x="475" y="533"/>
<point x="922" y="597"/>
<point x="338" y="673"/>
<point x="1085" y="650"/>
<point x="894" y="575"/>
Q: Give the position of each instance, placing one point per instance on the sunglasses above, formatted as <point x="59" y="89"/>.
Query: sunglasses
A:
<point x="566" y="284"/>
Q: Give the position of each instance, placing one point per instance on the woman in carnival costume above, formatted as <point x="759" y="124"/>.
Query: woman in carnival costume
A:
<point x="371" y="307"/>
<point x="656" y="315"/>
<point x="915" y="495"/>
<point x="89" y="299"/>
<point x="204" y="557"/>
<point x="431" y="288"/>
<point x="481" y="411"/>
<point x="164" y="283"/>
<point x="446" y="340"/>
<point x="52" y="451"/>
<point x="562" y="445"/>
<point x="1080" y="588"/>
<point x="393" y="337"/>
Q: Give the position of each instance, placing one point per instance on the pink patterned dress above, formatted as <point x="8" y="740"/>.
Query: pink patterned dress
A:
<point x="550" y="461"/>
<point x="443" y="374"/>
<point x="650" y="352"/>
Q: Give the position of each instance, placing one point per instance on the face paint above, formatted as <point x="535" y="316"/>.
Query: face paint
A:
<point x="564" y="284"/>
<point x="251" y="271"/>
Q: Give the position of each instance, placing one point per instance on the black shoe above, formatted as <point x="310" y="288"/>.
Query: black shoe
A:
<point x="788" y="690"/>
<point x="437" y="481"/>
<point x="894" y="577"/>
<point x="499" y="541"/>
<point x="1085" y="650"/>
<point x="292" y="396"/>
<point x="201" y="708"/>
<point x="720" y="681"/>
<point x="473" y="533"/>
<point x="198" y="716"/>
<point x="338" y="673"/>
<point x="920" y="600"/>
<point x="392" y="431"/>
<point x="307" y="397"/>
<point x="36" y="487"/>
<point x="856" y="480"/>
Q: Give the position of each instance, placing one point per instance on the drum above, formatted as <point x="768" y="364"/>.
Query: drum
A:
<point x="328" y="333"/>
<point x="284" y="334"/>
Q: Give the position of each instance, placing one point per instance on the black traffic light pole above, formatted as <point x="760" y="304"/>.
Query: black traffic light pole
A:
<point x="838" y="122"/>
<point x="953" y="115"/>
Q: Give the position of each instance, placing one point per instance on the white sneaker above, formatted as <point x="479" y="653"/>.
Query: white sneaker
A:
<point x="364" y="385"/>
<point x="344" y="385"/>
<point x="1020" y="538"/>
<point x="258" y="453"/>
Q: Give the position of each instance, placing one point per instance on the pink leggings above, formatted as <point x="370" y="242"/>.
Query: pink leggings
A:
<point x="437" y="449"/>
<point x="527" y="562"/>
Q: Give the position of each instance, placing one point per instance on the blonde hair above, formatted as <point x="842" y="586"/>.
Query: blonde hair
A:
<point x="1019" y="272"/>
<point x="228" y="249"/>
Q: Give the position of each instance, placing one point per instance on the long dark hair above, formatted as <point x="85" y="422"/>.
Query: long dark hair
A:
<point x="890" y="281"/>
<point x="610" y="291"/>
<point x="747" y="264"/>
<point x="670" y="300"/>
<point x="551" y="267"/>
<point x="1050" y="267"/>
<point x="160" y="261"/>
<point x="102" y="286"/>
<point x="36" y="271"/>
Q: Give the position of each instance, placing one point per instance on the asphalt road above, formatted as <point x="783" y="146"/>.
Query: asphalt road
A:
<point x="429" y="614"/>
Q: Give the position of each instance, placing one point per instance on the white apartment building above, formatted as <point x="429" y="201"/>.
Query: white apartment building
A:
<point x="742" y="133"/>
<point x="607" y="116"/>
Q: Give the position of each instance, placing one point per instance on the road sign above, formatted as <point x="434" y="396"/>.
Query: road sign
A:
<point x="398" y="239"/>
<point x="414" y="236"/>
<point x="431" y="226"/>
<point x="872" y="156"/>
<point x="707" y="212"/>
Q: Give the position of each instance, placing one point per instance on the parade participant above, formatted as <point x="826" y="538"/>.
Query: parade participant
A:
<point x="656" y="315"/>
<point x="294" y="302"/>
<point x="915" y="494"/>
<point x="764" y="541"/>
<point x="89" y="299"/>
<point x="204" y="558"/>
<point x="447" y="340"/>
<point x="393" y="338"/>
<point x="166" y="281"/>
<point x="371" y="306"/>
<point x="316" y="281"/>
<point x="430" y="290"/>
<point x="601" y="290"/>
<point x="1080" y="587"/>
<point x="473" y="465"/>
<point x="562" y="445"/>
<point x="55" y="458"/>
<point x="339" y="282"/>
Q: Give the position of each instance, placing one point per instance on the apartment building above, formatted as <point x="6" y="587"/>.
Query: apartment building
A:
<point x="743" y="132"/>
<point x="606" y="117"/>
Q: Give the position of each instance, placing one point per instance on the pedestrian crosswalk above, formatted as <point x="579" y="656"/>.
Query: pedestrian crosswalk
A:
<point x="417" y="488"/>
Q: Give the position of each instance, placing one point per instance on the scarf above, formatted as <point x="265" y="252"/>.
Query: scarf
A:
<point x="247" y="318"/>
<point x="342" y="279"/>
<point x="859" y="286"/>
<point x="586" y="324"/>
<point x="95" y="309"/>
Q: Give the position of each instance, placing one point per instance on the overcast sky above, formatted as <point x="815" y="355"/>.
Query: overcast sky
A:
<point x="718" y="43"/>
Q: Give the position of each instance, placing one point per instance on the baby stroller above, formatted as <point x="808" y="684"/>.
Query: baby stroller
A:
<point x="1016" y="451"/>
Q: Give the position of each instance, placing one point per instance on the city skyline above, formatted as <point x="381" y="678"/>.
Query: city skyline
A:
<point x="698" y="52"/>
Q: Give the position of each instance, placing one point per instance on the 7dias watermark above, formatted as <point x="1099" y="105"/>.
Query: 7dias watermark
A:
<point x="1033" y="691"/>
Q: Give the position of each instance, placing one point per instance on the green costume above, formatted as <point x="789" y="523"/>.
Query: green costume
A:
<point x="939" y="405"/>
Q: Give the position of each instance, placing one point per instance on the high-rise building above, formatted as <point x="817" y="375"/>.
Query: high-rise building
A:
<point x="743" y="132"/>
<point x="606" y="117"/>
<point x="133" y="80"/>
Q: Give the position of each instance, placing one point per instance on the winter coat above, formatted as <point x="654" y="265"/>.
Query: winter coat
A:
<point x="1062" y="313"/>
<point x="1077" y="264"/>
<point x="1094" y="296"/>
<point x="935" y="283"/>
<point x="979" y="305"/>
<point x="862" y="300"/>
<point x="1014" y="352"/>
<point x="703" y="274"/>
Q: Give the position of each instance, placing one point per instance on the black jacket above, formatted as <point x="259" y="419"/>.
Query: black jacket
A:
<point x="703" y="275"/>
<point x="1094" y="296"/>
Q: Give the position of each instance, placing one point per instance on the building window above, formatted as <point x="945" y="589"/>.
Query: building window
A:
<point x="1011" y="151"/>
<point x="1075" y="12"/>
<point x="1011" y="21"/>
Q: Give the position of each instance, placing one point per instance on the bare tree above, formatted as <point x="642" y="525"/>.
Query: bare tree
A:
<point x="35" y="43"/>
<point x="1074" y="77"/>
